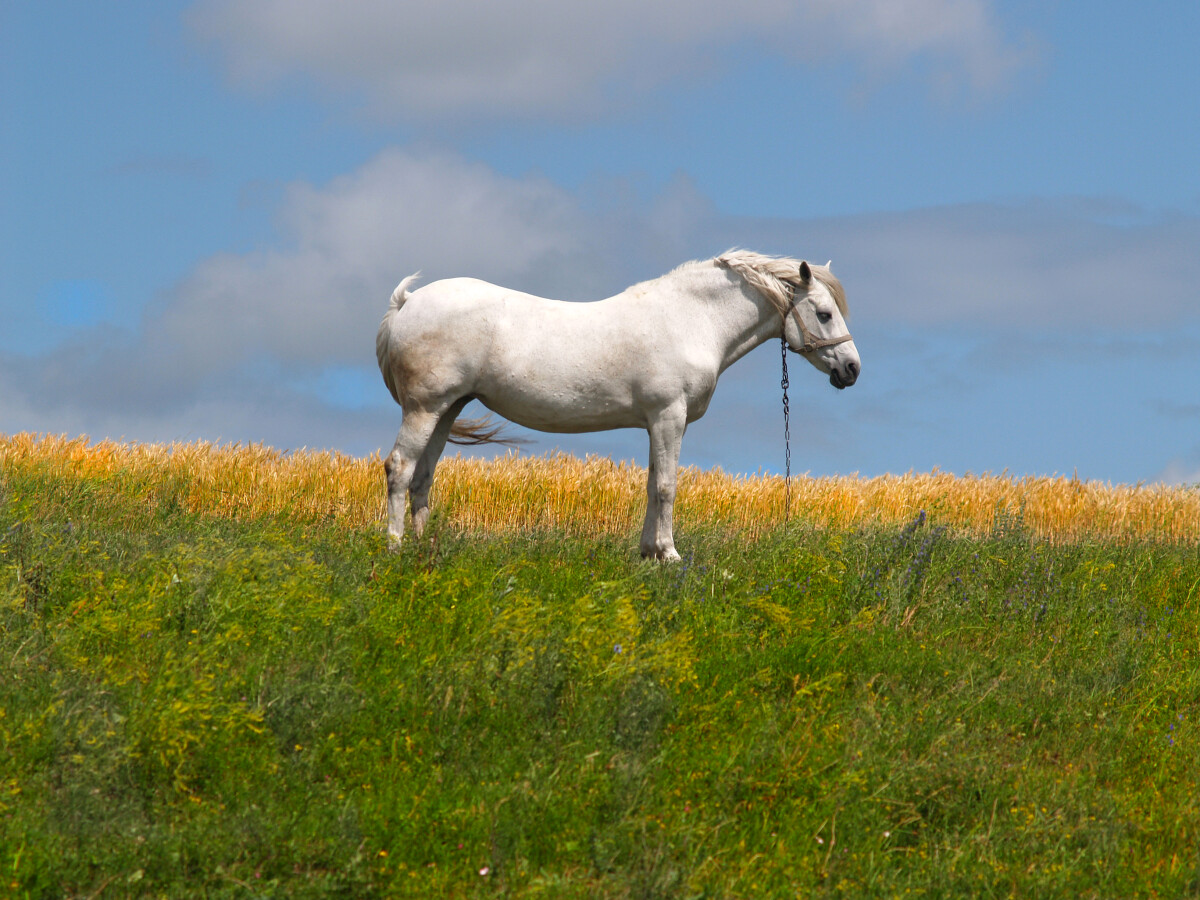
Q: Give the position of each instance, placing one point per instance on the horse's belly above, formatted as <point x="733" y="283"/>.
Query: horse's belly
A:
<point x="564" y="412"/>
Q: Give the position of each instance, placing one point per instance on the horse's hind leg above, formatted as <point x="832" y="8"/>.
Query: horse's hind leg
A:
<point x="422" y="480"/>
<point x="416" y="430"/>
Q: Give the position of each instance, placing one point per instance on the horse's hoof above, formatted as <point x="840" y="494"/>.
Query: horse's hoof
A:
<point x="668" y="555"/>
<point x="394" y="543"/>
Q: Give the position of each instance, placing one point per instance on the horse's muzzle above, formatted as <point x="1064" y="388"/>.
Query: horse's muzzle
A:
<point x="841" y="380"/>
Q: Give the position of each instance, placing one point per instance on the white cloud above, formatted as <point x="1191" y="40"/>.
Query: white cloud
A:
<point x="456" y="59"/>
<point x="960" y="38"/>
<point x="1182" y="470"/>
<point x="243" y="409"/>
<point x="1033" y="267"/>
<point x="257" y="346"/>
<point x="268" y="329"/>
<point x="314" y="300"/>
<point x="345" y="245"/>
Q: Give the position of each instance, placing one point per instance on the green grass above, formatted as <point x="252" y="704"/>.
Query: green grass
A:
<point x="193" y="706"/>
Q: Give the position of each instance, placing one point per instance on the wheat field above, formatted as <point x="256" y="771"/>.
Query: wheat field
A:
<point x="596" y="495"/>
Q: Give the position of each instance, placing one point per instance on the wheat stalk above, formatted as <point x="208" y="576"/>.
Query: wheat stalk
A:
<point x="596" y="496"/>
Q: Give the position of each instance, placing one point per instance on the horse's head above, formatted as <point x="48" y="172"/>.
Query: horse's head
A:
<point x="815" y="325"/>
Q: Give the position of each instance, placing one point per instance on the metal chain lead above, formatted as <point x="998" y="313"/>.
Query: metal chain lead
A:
<point x="787" y="443"/>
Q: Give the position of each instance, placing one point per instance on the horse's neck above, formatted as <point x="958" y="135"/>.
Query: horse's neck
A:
<point x="742" y="318"/>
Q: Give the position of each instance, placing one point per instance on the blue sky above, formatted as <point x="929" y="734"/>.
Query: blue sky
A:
<point x="207" y="204"/>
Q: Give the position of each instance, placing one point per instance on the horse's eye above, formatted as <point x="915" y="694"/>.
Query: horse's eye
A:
<point x="824" y="317"/>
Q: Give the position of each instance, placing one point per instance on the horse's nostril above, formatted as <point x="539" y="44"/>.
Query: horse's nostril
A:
<point x="852" y="368"/>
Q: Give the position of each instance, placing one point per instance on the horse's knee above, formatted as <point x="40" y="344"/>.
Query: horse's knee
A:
<point x="663" y="495"/>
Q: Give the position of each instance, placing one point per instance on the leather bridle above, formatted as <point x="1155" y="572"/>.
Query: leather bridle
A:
<point x="812" y="343"/>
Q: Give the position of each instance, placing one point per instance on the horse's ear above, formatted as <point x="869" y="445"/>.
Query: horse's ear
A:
<point x="805" y="272"/>
<point x="829" y="265"/>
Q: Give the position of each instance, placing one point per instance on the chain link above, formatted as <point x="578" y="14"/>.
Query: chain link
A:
<point x="787" y="442"/>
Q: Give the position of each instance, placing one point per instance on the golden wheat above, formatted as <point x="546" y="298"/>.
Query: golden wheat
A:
<point x="595" y="495"/>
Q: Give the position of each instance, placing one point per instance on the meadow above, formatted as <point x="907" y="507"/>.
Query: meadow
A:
<point x="216" y="682"/>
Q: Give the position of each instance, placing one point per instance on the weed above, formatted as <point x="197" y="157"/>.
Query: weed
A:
<point x="217" y="682"/>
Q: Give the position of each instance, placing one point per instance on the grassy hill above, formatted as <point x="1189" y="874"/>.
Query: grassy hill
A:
<point x="216" y="683"/>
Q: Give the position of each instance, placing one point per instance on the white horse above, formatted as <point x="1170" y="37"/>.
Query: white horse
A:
<point x="647" y="358"/>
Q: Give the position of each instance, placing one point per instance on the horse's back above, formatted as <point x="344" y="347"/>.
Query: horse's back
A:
<point x="454" y="295"/>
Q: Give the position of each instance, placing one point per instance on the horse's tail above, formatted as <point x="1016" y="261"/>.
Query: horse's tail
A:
<point x="482" y="431"/>
<point x="400" y="294"/>
<point x="383" y="338"/>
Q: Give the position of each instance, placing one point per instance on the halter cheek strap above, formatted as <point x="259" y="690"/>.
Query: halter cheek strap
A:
<point x="812" y="343"/>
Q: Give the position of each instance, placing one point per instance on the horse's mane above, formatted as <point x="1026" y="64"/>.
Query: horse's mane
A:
<point x="778" y="277"/>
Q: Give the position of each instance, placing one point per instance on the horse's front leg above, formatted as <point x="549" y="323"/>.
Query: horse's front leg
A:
<point x="666" y="437"/>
